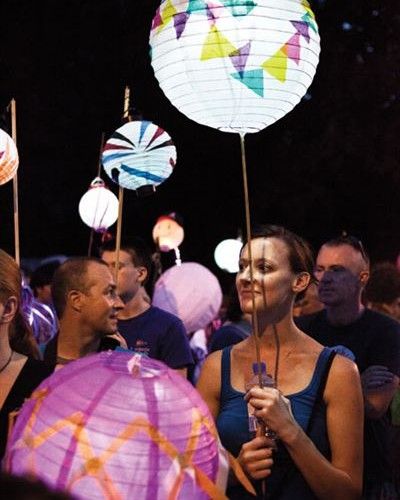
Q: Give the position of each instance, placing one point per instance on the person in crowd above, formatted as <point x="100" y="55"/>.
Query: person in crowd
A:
<point x="370" y="338"/>
<point x="87" y="304"/>
<point x="235" y="328"/>
<point x="28" y="488"/>
<point x="309" y="438"/>
<point x="309" y="303"/>
<point x="382" y="292"/>
<point x="40" y="282"/>
<point x="146" y="329"/>
<point x="20" y="370"/>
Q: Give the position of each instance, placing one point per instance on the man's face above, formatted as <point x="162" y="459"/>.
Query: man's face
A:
<point x="338" y="270"/>
<point x="100" y="305"/>
<point x="130" y="277"/>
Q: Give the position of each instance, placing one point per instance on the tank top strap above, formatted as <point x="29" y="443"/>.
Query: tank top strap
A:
<point x="225" y="371"/>
<point x="320" y="370"/>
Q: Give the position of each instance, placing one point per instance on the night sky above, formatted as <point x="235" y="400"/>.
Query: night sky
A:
<point x="331" y="164"/>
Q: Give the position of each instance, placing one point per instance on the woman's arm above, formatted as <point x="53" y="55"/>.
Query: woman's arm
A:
<point x="209" y="383"/>
<point x="342" y="477"/>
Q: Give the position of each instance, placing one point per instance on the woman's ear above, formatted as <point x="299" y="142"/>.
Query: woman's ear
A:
<point x="301" y="282"/>
<point x="10" y="310"/>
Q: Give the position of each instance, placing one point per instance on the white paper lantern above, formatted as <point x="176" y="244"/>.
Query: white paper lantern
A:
<point x="139" y="154"/>
<point x="227" y="254"/>
<point x="167" y="233"/>
<point x="98" y="207"/>
<point x="234" y="65"/>
<point x="9" y="160"/>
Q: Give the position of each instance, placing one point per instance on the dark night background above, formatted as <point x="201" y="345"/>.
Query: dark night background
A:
<point x="331" y="164"/>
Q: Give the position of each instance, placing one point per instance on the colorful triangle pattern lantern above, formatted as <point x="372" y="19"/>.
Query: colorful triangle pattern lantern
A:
<point x="234" y="65"/>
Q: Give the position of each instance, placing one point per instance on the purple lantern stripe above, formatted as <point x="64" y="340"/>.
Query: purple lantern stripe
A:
<point x="69" y="455"/>
<point x="152" y="412"/>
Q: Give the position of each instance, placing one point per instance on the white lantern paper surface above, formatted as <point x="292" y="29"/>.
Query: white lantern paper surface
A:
<point x="227" y="254"/>
<point x="98" y="207"/>
<point x="234" y="65"/>
<point x="9" y="160"/>
<point x="139" y="154"/>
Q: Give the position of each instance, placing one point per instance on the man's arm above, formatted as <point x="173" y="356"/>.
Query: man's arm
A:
<point x="379" y="386"/>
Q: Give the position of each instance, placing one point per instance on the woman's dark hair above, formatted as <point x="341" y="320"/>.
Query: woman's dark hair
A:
<point x="300" y="254"/>
<point x="21" y="336"/>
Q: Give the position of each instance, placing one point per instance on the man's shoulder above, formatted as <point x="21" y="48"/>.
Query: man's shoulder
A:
<point x="381" y="321"/>
<point x="158" y="313"/>
<point x="308" y="320"/>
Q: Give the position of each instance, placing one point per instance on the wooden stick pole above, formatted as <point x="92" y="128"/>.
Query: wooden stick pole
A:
<point x="254" y="317"/>
<point x="121" y="195"/>
<point x="15" y="185"/>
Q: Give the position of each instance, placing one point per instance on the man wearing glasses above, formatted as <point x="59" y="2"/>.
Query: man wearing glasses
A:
<point x="371" y="339"/>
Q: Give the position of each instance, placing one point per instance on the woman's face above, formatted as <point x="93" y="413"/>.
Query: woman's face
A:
<point x="273" y="278"/>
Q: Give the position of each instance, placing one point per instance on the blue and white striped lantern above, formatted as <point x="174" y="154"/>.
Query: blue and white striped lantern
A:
<point x="139" y="154"/>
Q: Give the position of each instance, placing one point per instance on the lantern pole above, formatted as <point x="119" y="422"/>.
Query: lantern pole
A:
<point x="98" y="175"/>
<point x="254" y="317"/>
<point x="15" y="184"/>
<point x="121" y="192"/>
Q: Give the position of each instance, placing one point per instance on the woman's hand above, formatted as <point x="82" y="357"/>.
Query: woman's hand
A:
<point x="274" y="410"/>
<point x="255" y="457"/>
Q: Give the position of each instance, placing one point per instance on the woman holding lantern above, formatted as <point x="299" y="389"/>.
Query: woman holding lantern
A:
<point x="20" y="372"/>
<point x="308" y="442"/>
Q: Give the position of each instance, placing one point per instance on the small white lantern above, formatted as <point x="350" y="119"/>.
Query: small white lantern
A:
<point x="98" y="207"/>
<point x="227" y="254"/>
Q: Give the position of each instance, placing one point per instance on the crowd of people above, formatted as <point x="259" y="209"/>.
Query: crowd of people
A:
<point x="326" y="331"/>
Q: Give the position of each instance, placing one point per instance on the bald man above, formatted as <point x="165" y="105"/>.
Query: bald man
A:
<point x="371" y="339"/>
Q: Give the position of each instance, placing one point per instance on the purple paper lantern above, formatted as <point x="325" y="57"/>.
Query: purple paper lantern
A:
<point x="191" y="292"/>
<point x="118" y="426"/>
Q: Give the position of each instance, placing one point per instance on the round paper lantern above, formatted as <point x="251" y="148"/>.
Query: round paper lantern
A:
<point x="227" y="254"/>
<point x="98" y="207"/>
<point x="119" y="427"/>
<point x="139" y="154"/>
<point x="168" y="234"/>
<point x="234" y="65"/>
<point x="191" y="292"/>
<point x="8" y="157"/>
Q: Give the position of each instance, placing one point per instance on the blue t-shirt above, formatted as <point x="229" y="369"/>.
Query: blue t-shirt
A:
<point x="159" y="335"/>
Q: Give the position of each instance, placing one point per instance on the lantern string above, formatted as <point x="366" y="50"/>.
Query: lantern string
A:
<point x="15" y="183"/>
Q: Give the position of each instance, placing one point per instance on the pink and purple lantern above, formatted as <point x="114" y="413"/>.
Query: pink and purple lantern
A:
<point x="191" y="292"/>
<point x="118" y="426"/>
